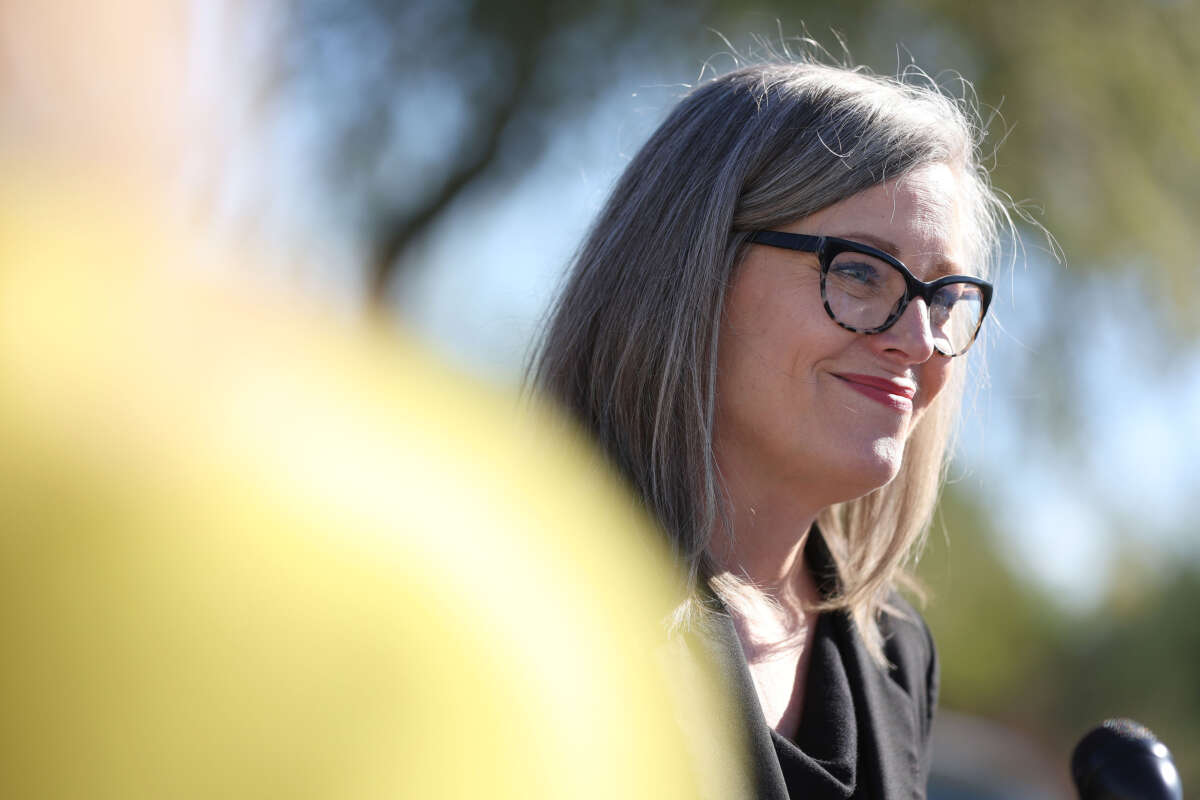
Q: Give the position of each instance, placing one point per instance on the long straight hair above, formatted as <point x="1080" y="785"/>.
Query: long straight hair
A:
<point x="630" y="347"/>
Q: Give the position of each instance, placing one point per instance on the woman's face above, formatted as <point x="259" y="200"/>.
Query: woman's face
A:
<point x="806" y="405"/>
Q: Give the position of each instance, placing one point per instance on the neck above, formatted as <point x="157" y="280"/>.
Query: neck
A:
<point x="769" y="531"/>
<point x="772" y="591"/>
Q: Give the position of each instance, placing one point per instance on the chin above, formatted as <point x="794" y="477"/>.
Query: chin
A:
<point x="875" y="467"/>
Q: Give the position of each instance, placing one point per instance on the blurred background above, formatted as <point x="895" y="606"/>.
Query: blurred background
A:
<point x="450" y="155"/>
<point x="435" y="162"/>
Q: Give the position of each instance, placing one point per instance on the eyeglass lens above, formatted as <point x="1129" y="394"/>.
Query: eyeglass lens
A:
<point x="864" y="293"/>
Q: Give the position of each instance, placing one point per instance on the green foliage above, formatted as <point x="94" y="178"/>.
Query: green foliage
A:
<point x="994" y="628"/>
<point x="1139" y="657"/>
<point x="1011" y="652"/>
<point x="1105" y="133"/>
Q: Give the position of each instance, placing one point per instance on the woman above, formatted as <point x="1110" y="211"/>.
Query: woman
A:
<point x="761" y="330"/>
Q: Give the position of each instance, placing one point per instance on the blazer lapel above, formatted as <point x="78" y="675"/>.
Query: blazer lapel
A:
<point x="888" y="731"/>
<point x="725" y="649"/>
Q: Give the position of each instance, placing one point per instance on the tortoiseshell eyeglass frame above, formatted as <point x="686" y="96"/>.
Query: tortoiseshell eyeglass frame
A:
<point x="828" y="247"/>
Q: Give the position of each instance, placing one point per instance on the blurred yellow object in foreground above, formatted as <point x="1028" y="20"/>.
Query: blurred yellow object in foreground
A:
<point x="247" y="553"/>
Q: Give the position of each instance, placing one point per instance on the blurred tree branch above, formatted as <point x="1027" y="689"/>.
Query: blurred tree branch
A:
<point x="472" y="157"/>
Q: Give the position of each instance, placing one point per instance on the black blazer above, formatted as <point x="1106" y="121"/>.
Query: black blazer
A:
<point x="865" y="731"/>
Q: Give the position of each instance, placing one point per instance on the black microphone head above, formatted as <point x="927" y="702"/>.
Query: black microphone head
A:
<point x="1122" y="760"/>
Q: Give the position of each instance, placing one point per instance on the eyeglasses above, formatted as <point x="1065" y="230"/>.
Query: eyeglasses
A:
<point x="865" y="290"/>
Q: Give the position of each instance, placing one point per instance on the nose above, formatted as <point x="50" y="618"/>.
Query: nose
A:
<point x="910" y="338"/>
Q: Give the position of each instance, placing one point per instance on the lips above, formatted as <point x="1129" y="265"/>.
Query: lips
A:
<point x="892" y="393"/>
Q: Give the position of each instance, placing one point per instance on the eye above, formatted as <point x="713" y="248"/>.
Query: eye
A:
<point x="855" y="272"/>
<point x="956" y="301"/>
<point x="863" y="280"/>
<point x="939" y="311"/>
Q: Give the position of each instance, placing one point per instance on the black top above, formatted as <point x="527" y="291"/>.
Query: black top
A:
<point x="865" y="729"/>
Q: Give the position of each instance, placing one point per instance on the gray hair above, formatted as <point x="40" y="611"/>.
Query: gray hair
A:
<point x="630" y="348"/>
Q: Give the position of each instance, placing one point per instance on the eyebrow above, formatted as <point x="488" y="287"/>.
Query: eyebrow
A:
<point x="938" y="269"/>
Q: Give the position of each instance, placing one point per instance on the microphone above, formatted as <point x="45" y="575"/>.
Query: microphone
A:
<point x="1122" y="760"/>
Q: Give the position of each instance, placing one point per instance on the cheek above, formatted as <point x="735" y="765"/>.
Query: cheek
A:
<point x="935" y="375"/>
<point x="758" y="333"/>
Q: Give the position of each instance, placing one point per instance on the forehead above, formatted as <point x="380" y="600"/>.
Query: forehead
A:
<point x="919" y="218"/>
<point x="927" y="197"/>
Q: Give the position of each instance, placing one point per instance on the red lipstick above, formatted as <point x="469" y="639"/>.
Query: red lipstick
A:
<point x="893" y="393"/>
